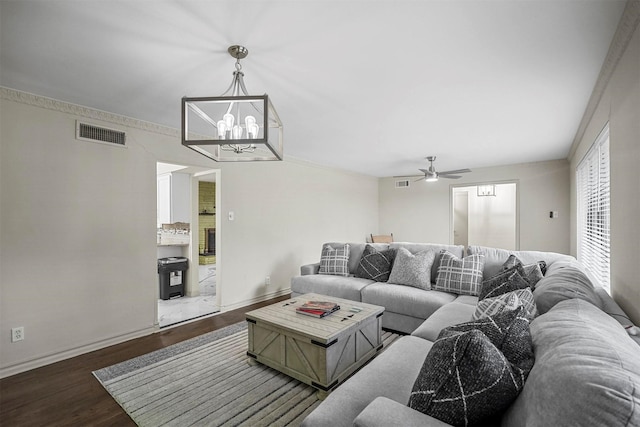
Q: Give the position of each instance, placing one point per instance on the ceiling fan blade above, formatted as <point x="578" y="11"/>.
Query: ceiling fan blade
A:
<point x="454" y="171"/>
<point x="424" y="170"/>
<point x="449" y="176"/>
<point x="421" y="179"/>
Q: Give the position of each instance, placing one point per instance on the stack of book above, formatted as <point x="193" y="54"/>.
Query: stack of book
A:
<point x="317" y="308"/>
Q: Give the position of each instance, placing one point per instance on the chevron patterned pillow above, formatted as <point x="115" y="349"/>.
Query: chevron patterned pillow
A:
<point x="375" y="265"/>
<point x="505" y="302"/>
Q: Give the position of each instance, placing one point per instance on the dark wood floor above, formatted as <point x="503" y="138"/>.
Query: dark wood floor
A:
<point x="67" y="394"/>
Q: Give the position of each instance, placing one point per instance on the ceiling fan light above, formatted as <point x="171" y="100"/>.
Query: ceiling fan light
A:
<point x="431" y="178"/>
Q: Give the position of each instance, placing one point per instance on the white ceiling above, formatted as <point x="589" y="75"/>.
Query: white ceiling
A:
<point x="368" y="86"/>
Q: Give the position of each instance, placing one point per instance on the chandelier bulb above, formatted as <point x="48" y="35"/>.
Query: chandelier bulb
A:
<point x="228" y="120"/>
<point x="222" y="129"/>
<point x="237" y="132"/>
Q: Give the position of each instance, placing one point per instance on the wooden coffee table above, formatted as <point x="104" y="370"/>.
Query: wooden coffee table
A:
<point x="319" y="352"/>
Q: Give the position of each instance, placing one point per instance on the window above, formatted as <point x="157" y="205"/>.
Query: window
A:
<point x="592" y="185"/>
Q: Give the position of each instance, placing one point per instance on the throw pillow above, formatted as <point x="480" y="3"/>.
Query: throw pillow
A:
<point x="503" y="282"/>
<point x="505" y="302"/>
<point x="334" y="261"/>
<point x="462" y="276"/>
<point x="375" y="264"/>
<point x="509" y="332"/>
<point x="464" y="380"/>
<point x="531" y="272"/>
<point x="412" y="269"/>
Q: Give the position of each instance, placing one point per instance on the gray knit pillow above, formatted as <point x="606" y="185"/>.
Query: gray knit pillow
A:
<point x="462" y="276"/>
<point x="375" y="264"/>
<point x="412" y="269"/>
<point x="335" y="261"/>
<point x="464" y="380"/>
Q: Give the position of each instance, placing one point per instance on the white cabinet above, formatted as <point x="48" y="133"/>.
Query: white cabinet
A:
<point x="174" y="198"/>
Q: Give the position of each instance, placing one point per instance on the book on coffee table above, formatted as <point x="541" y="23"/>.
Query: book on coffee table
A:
<point x="318" y="308"/>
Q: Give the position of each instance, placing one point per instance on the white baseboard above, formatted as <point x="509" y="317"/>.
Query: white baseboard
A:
<point x="257" y="299"/>
<point x="67" y="354"/>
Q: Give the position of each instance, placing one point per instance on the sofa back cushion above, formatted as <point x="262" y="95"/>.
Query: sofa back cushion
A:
<point x="494" y="258"/>
<point x="586" y="371"/>
<point x="564" y="281"/>
<point x="355" y="252"/>
<point x="414" y="248"/>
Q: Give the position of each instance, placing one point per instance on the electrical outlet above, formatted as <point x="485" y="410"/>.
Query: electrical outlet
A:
<point x="17" y="334"/>
<point x="267" y="280"/>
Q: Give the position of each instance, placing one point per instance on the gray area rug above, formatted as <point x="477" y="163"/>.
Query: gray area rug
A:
<point x="206" y="381"/>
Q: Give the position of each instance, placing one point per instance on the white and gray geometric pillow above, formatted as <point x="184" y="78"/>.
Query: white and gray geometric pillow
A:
<point x="412" y="269"/>
<point x="335" y="261"/>
<point x="462" y="276"/>
<point x="504" y="281"/>
<point x="531" y="272"/>
<point x="375" y="264"/>
<point x="507" y="302"/>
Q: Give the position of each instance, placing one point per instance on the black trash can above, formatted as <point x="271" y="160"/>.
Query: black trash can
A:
<point x="172" y="276"/>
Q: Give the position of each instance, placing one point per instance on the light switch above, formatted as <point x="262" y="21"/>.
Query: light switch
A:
<point x="232" y="216"/>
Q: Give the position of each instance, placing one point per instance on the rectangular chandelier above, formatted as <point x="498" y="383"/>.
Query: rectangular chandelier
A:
<point x="232" y="128"/>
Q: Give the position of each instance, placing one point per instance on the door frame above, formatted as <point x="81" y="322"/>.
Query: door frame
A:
<point x="452" y="188"/>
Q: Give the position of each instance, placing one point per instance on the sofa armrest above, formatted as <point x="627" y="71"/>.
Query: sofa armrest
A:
<point x="307" y="269"/>
<point x="383" y="412"/>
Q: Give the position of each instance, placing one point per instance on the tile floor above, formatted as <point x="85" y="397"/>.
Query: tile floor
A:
<point x="180" y="309"/>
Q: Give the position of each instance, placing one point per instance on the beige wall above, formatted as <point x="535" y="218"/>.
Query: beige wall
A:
<point x="77" y="227"/>
<point x="620" y="106"/>
<point x="421" y="213"/>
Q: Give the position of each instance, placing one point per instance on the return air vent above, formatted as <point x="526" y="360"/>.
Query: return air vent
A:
<point x="88" y="132"/>
<point x="402" y="184"/>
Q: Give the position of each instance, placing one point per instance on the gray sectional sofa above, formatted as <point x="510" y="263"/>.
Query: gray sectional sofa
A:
<point x="586" y="370"/>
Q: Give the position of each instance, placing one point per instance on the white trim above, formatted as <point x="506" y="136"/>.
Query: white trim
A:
<point x="257" y="299"/>
<point x="77" y="351"/>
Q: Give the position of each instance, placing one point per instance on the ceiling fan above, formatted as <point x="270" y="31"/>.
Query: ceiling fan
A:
<point x="431" y="175"/>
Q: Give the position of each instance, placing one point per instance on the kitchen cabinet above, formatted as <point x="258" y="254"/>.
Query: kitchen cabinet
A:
<point x="174" y="198"/>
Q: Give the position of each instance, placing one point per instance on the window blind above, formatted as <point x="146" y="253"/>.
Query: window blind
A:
<point x="593" y="189"/>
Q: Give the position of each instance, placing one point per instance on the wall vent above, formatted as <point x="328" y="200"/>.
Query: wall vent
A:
<point x="402" y="184"/>
<point x="88" y="132"/>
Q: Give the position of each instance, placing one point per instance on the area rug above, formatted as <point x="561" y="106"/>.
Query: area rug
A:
<point x="206" y="381"/>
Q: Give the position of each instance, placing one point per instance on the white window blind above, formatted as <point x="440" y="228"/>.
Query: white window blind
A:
<point x="593" y="188"/>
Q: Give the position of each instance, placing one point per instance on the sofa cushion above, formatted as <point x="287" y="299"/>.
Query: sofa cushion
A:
<point x="495" y="257"/>
<point x="375" y="264"/>
<point x="384" y="412"/>
<point x="462" y="276"/>
<point x="503" y="282"/>
<point x="564" y="283"/>
<point x="507" y="302"/>
<point x="414" y="248"/>
<point x="587" y="371"/>
<point x="335" y="260"/>
<point x="412" y="270"/>
<point x="335" y="286"/>
<point x="407" y="300"/>
<point x="447" y="315"/>
<point x="384" y="376"/>
<point x="464" y="379"/>
<point x="509" y="332"/>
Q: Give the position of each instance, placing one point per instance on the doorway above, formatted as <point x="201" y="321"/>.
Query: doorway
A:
<point x="187" y="198"/>
<point x="485" y="214"/>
